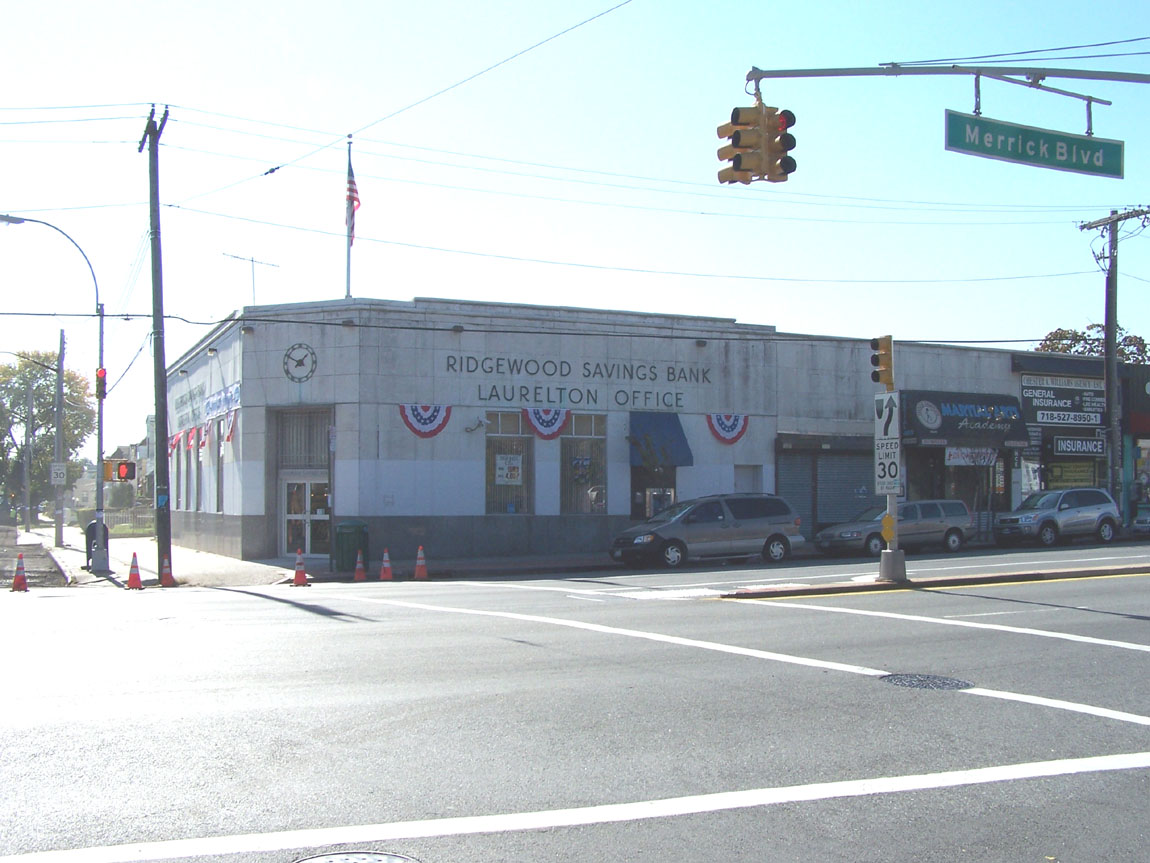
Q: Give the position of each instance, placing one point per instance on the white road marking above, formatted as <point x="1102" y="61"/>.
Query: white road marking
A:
<point x="610" y="813"/>
<point x="945" y="621"/>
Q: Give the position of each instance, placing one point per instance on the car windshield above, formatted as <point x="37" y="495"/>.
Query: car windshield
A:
<point x="1040" y="500"/>
<point x="670" y="512"/>
<point x="871" y="513"/>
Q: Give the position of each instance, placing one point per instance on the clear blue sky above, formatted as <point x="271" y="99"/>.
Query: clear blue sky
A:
<point x="579" y="173"/>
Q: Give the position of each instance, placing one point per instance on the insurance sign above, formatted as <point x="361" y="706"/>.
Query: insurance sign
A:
<point x="1028" y="145"/>
<point x="1063" y="400"/>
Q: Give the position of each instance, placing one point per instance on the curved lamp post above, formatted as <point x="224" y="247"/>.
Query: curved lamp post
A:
<point x="99" y="549"/>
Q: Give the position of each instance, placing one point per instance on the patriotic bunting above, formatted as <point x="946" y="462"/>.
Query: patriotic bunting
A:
<point x="231" y="426"/>
<point x="548" y="423"/>
<point x="205" y="433"/>
<point x="425" y="420"/>
<point x="728" y="428"/>
<point x="191" y="434"/>
<point x="174" y="442"/>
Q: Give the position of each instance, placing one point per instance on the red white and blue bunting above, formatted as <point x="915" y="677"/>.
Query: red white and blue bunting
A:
<point x="425" y="420"/>
<point x="548" y="423"/>
<point x="728" y="428"/>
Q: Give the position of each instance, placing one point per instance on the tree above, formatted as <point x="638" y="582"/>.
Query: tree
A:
<point x="36" y="373"/>
<point x="1092" y="343"/>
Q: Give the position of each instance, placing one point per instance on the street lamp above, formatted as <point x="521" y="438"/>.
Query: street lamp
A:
<point x="99" y="548"/>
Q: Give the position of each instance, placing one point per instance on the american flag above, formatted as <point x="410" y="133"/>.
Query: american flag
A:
<point x="352" y="202"/>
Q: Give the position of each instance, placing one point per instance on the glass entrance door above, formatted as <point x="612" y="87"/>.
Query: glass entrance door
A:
<point x="307" y="517"/>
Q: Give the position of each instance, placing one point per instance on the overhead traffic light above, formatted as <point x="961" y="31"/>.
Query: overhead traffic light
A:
<point x="778" y="143"/>
<point x="740" y="132"/>
<point x="882" y="359"/>
<point x="101" y="383"/>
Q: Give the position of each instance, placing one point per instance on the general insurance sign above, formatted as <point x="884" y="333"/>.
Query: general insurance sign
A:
<point x="1042" y="148"/>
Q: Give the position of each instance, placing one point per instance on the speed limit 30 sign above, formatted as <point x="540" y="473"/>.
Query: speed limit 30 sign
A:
<point x="887" y="444"/>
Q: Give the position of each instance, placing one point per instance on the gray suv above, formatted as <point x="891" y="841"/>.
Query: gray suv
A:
<point x="1048" y="516"/>
<point x="717" y="526"/>
<point x="946" y="523"/>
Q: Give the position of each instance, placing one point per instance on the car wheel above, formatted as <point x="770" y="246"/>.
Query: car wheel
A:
<point x="952" y="542"/>
<point x="674" y="554"/>
<point x="1048" y="535"/>
<point x="874" y="545"/>
<point x="1106" y="531"/>
<point x="776" y="549"/>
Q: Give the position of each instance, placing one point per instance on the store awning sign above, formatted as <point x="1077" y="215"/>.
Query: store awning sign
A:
<point x="1063" y="400"/>
<point x="932" y="418"/>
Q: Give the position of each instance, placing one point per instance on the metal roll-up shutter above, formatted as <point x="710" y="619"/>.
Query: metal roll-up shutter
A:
<point x="845" y="486"/>
<point x="794" y="482"/>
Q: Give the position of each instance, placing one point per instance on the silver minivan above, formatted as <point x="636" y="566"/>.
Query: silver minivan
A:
<point x="716" y="526"/>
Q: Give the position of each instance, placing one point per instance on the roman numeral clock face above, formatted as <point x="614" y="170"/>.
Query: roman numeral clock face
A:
<point x="299" y="362"/>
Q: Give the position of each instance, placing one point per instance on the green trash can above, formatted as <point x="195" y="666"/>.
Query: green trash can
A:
<point x="350" y="539"/>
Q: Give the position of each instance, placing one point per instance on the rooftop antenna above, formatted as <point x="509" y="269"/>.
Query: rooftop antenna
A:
<point x="253" y="262"/>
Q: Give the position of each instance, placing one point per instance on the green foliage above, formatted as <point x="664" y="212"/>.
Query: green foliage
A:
<point x="35" y="374"/>
<point x="1092" y="343"/>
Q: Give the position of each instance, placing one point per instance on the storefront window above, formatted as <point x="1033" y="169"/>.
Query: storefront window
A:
<point x="583" y="467"/>
<point x="510" y="465"/>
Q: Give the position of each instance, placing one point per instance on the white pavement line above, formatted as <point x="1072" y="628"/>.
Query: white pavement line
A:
<point x="636" y="633"/>
<point x="611" y="813"/>
<point x="1058" y="704"/>
<point x="946" y="621"/>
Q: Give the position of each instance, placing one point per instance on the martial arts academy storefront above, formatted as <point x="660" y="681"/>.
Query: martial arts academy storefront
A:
<point x="962" y="446"/>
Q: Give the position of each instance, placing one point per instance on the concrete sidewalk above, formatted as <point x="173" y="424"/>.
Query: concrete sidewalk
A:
<point x="202" y="569"/>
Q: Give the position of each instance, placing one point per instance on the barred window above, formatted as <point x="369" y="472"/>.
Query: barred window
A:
<point x="583" y="466"/>
<point x="510" y="464"/>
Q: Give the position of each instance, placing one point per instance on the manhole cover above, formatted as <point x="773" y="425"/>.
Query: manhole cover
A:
<point x="926" y="681"/>
<point x="359" y="857"/>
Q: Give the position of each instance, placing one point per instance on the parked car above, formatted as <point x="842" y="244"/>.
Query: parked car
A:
<point x="1048" y="516"/>
<point x="716" y="526"/>
<point x="920" y="523"/>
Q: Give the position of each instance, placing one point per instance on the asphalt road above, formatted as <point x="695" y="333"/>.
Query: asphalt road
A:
<point x="614" y="717"/>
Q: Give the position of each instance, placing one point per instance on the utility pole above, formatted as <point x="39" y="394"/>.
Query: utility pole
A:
<point x="58" y="447"/>
<point x="151" y="137"/>
<point x="1110" y="352"/>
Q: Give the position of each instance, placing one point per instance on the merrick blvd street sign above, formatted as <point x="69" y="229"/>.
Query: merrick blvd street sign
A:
<point x="1043" y="148"/>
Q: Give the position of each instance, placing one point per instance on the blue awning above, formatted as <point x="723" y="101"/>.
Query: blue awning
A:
<point x="657" y="440"/>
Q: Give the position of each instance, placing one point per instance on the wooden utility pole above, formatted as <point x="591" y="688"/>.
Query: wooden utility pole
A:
<point x="1110" y="354"/>
<point x="151" y="137"/>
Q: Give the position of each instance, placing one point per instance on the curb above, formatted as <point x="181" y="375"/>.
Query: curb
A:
<point x="783" y="591"/>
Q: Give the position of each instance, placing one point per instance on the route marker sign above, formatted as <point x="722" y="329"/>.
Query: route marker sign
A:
<point x="1029" y="145"/>
<point x="887" y="444"/>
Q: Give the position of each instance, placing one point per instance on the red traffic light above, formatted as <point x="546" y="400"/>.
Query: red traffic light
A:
<point x="786" y="119"/>
<point x="101" y="382"/>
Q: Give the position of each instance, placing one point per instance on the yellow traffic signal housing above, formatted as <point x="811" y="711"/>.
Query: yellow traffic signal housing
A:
<point x="109" y="470"/>
<point x="882" y="359"/>
<point x="777" y="144"/>
<point x="743" y="121"/>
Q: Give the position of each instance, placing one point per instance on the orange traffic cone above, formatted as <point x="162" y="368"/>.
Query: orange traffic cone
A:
<point x="166" y="579"/>
<point x="420" y="565"/>
<point x="134" y="582"/>
<point x="385" y="568"/>
<point x="300" y="576"/>
<point x="20" y="579"/>
<point x="360" y="574"/>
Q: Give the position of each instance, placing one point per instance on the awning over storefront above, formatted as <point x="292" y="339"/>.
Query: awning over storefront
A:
<point x="931" y="418"/>
<point x="657" y="440"/>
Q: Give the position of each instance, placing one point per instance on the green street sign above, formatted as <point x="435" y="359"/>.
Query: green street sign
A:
<point x="1042" y="148"/>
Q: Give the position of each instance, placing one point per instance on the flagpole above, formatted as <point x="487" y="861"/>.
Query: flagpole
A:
<point x="350" y="218"/>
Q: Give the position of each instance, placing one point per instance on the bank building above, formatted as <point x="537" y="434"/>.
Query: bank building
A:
<point x="480" y="429"/>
